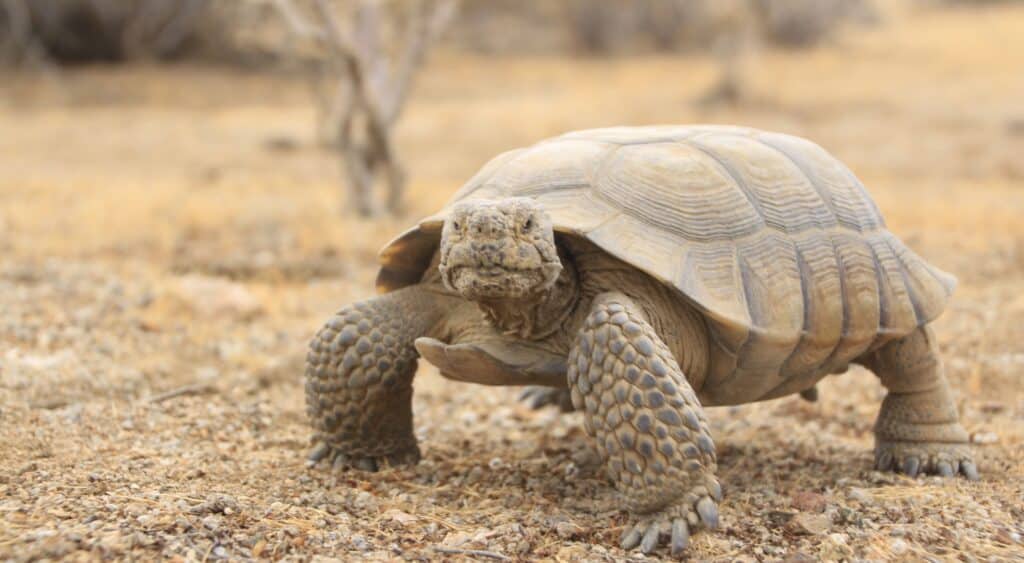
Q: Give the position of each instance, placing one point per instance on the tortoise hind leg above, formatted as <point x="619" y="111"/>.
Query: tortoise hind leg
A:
<point x="359" y="375"/>
<point x="918" y="428"/>
<point x="538" y="397"/>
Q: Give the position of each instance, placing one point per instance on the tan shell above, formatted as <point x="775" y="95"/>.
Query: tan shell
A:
<point x="772" y="237"/>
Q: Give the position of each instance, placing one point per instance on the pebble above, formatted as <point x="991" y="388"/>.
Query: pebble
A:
<point x="859" y="495"/>
<point x="212" y="522"/>
<point x="835" y="547"/>
<point x="360" y="543"/>
<point x="567" y="530"/>
<point x="809" y="501"/>
<point x="474" y="475"/>
<point x="400" y="517"/>
<point x="810" y="524"/>
<point x="984" y="437"/>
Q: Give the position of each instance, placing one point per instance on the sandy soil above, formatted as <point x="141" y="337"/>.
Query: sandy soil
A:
<point x="170" y="238"/>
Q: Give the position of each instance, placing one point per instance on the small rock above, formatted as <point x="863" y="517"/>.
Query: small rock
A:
<point x="859" y="495"/>
<point x="455" y="539"/>
<point x="810" y="524"/>
<point x="212" y="522"/>
<point x="400" y="517"/>
<point x="984" y="437"/>
<point x="360" y="543"/>
<point x="898" y="546"/>
<point x="567" y="530"/>
<point x="779" y="517"/>
<point x="1007" y="537"/>
<point x="835" y="548"/>
<point x="809" y="501"/>
<point x="365" y="500"/>
<point x="475" y="475"/>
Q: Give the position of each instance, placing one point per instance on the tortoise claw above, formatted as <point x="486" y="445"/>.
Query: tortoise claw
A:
<point x="944" y="469"/>
<point x="650" y="541"/>
<point x="910" y="467"/>
<point x="708" y="511"/>
<point x="969" y="470"/>
<point x="680" y="537"/>
<point x="631" y="538"/>
<point x="318" y="453"/>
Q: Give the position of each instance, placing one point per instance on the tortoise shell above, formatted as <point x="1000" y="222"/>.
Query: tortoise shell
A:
<point x="768" y="234"/>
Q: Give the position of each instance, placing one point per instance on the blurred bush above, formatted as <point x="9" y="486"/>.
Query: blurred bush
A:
<point x="238" y="30"/>
<point x="102" y="30"/>
<point x="609" y="26"/>
<point x="79" y="31"/>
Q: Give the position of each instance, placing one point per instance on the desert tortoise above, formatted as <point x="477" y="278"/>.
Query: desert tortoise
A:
<point x="649" y="270"/>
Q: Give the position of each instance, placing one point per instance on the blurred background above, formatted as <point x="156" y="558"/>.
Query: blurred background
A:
<point x="189" y="188"/>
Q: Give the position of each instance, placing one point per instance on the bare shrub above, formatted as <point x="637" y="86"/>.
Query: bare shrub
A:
<point x="372" y="55"/>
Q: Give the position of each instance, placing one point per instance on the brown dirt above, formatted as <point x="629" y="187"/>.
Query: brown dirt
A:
<point x="175" y="229"/>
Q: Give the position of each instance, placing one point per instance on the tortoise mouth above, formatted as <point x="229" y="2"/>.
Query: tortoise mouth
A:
<point x="478" y="282"/>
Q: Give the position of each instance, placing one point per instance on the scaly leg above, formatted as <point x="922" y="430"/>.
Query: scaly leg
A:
<point x="918" y="428"/>
<point x="359" y="375"/>
<point x="649" y="426"/>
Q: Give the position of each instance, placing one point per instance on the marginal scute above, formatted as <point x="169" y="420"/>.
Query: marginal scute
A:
<point x="774" y="240"/>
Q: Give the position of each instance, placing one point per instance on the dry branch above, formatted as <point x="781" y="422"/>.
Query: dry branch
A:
<point x="366" y="90"/>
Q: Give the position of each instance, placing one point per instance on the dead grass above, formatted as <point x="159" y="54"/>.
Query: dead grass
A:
<point x="123" y="190"/>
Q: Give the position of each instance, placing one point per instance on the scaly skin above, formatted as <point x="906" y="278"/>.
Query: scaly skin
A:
<point x="647" y="423"/>
<point x="918" y="428"/>
<point x="359" y="375"/>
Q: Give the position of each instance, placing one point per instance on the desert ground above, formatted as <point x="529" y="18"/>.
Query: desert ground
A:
<point x="172" y="236"/>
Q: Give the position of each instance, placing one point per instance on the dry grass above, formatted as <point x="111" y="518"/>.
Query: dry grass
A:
<point x="127" y="194"/>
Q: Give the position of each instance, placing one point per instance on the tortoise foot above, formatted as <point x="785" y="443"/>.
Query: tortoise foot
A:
<point x="673" y="524"/>
<point x="537" y="397"/>
<point x="926" y="458"/>
<point x="338" y="460"/>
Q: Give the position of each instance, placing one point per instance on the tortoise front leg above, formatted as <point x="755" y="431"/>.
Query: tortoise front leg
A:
<point x="359" y="375"/>
<point x="649" y="426"/>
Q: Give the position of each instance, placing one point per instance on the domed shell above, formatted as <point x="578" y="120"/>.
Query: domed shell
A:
<point x="772" y="237"/>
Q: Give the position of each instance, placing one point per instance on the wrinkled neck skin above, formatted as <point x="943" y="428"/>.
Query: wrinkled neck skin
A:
<point x="538" y="316"/>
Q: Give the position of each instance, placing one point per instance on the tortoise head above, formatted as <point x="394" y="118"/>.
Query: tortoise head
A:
<point x="502" y="249"/>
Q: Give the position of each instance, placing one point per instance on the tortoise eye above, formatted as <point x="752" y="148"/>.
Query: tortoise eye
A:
<point x="528" y="224"/>
<point x="456" y="226"/>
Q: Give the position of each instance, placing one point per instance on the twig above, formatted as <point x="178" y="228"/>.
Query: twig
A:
<point x="296" y="22"/>
<point x="191" y="389"/>
<point x="476" y="552"/>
